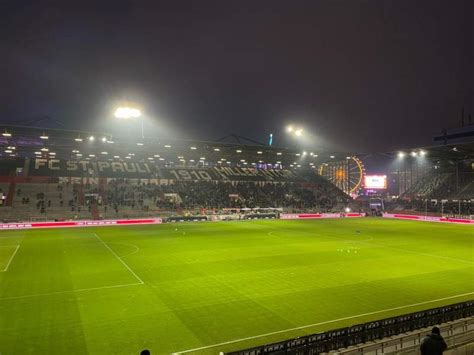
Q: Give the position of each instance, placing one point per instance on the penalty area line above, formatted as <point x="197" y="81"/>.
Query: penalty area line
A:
<point x="120" y="259"/>
<point x="318" y="324"/>
<point x="69" y="291"/>
<point x="11" y="258"/>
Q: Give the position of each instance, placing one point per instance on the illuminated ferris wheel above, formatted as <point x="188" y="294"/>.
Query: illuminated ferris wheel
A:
<point x="346" y="174"/>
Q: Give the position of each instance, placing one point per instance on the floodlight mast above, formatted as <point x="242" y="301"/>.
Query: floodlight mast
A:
<point x="130" y="113"/>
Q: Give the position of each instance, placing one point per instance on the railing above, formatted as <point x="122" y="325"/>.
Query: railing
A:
<point x="362" y="333"/>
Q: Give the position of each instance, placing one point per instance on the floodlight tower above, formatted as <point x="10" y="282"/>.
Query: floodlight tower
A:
<point x="130" y="113"/>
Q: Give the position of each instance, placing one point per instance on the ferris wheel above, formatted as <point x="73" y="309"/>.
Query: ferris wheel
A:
<point x="345" y="174"/>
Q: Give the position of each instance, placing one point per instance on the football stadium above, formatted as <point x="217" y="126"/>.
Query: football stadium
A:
<point x="117" y="244"/>
<point x="212" y="177"/>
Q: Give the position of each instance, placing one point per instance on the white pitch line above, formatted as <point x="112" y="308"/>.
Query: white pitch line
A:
<point x="120" y="259"/>
<point x="11" y="258"/>
<point x="317" y="324"/>
<point x="69" y="291"/>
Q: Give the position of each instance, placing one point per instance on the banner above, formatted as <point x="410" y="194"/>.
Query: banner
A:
<point x="428" y="218"/>
<point x="63" y="224"/>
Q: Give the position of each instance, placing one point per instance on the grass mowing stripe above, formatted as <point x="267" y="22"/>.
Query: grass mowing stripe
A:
<point x="320" y="323"/>
<point x="120" y="259"/>
<point x="11" y="258"/>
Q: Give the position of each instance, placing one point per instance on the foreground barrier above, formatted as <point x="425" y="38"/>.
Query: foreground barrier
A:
<point x="63" y="224"/>
<point x="362" y="333"/>
<point x="428" y="218"/>
<point x="319" y="215"/>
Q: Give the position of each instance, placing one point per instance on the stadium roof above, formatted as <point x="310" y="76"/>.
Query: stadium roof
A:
<point x="20" y="141"/>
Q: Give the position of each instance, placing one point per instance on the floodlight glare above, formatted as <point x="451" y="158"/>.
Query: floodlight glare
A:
<point x="299" y="132"/>
<point x="289" y="129"/>
<point x="347" y="209"/>
<point x="413" y="154"/>
<point x="422" y="153"/>
<point x="44" y="136"/>
<point x="401" y="154"/>
<point x="91" y="138"/>
<point x="127" y="112"/>
<point x="104" y="139"/>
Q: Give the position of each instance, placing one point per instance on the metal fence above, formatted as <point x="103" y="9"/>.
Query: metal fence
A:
<point x="361" y="333"/>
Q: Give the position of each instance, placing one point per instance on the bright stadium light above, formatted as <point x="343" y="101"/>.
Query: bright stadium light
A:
<point x="304" y="153"/>
<point x="104" y="139"/>
<point x="44" y="136"/>
<point x="91" y="138"/>
<point x="413" y="154"/>
<point x="6" y="134"/>
<point x="289" y="129"/>
<point x="78" y="139"/>
<point x="347" y="209"/>
<point x="299" y="132"/>
<point x="422" y="153"/>
<point x="127" y="113"/>
<point x="401" y="154"/>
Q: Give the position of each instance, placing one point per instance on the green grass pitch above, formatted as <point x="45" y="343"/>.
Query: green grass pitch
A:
<point x="210" y="287"/>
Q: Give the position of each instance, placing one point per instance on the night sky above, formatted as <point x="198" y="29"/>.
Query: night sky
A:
<point x="360" y="75"/>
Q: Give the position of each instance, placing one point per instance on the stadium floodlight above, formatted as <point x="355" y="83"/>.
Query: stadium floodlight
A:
<point x="332" y="156"/>
<point x="127" y="113"/>
<point x="217" y="150"/>
<point x="238" y="151"/>
<point x="401" y="154"/>
<point x="279" y="153"/>
<point x="44" y="136"/>
<point x="259" y="152"/>
<point x="6" y="134"/>
<point x="299" y="132"/>
<point x="422" y="153"/>
<point x="413" y="154"/>
<point x="104" y="139"/>
<point x="289" y="129"/>
<point x="193" y="148"/>
<point x="347" y="209"/>
<point x="91" y="138"/>
<point x="304" y="153"/>
<point x="78" y="139"/>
